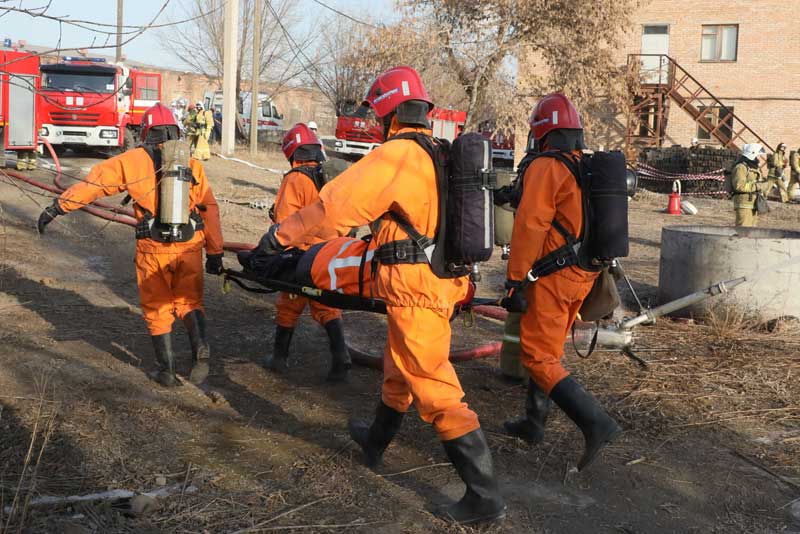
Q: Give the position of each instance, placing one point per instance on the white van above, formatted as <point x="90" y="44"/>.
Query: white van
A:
<point x="269" y="119"/>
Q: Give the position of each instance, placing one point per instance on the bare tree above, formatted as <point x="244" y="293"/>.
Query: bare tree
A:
<point x="484" y="40"/>
<point x="199" y="42"/>
<point x="352" y="54"/>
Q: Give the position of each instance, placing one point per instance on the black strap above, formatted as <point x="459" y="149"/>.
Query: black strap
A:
<point x="413" y="249"/>
<point x="367" y="239"/>
<point x="402" y="251"/>
<point x="314" y="173"/>
<point x="592" y="343"/>
<point x="332" y="299"/>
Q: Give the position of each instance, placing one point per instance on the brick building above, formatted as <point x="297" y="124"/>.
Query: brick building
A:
<point x="746" y="53"/>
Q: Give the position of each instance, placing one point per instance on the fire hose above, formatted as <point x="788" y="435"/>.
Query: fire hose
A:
<point x="126" y="216"/>
<point x="618" y="336"/>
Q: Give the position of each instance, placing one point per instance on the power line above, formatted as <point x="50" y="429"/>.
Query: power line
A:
<point x="297" y="50"/>
<point x="345" y="15"/>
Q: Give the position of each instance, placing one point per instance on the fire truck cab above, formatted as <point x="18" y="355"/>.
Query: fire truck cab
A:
<point x="19" y="82"/>
<point x="86" y="103"/>
<point x="358" y="132"/>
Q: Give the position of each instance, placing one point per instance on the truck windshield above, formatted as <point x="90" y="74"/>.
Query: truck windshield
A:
<point x="93" y="83"/>
<point x="359" y="112"/>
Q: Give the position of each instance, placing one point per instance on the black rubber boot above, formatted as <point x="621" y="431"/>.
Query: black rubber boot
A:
<point x="340" y="357"/>
<point x="374" y="438"/>
<point x="195" y="323"/>
<point x="166" y="361"/>
<point x="278" y="360"/>
<point x="481" y="502"/>
<point x="530" y="427"/>
<point x="597" y="426"/>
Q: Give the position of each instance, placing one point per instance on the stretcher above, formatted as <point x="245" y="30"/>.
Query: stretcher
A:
<point x="337" y="273"/>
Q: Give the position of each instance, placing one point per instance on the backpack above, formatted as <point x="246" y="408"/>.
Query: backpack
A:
<point x="320" y="174"/>
<point x="465" y="181"/>
<point x="324" y="172"/>
<point x="602" y="179"/>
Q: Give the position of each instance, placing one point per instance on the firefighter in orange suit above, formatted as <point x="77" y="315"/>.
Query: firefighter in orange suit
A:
<point x="399" y="175"/>
<point x="550" y="303"/>
<point x="169" y="268"/>
<point x="304" y="151"/>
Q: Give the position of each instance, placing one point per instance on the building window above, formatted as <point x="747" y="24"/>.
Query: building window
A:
<point x="714" y="115"/>
<point x="147" y="88"/>
<point x="720" y="42"/>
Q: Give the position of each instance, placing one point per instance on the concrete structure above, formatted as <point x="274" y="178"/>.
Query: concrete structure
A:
<point x="746" y="53"/>
<point x="695" y="257"/>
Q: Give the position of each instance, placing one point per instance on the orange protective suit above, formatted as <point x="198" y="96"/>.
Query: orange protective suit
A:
<point x="169" y="275"/>
<point x="399" y="175"/>
<point x="297" y="191"/>
<point x="549" y="192"/>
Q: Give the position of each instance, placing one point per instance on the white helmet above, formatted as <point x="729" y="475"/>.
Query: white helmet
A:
<point x="199" y="105"/>
<point x="752" y="150"/>
<point x="312" y="125"/>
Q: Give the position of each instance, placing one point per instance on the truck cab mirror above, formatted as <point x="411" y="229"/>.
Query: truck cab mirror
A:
<point x="127" y="89"/>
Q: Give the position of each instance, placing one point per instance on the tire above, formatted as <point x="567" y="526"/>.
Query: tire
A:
<point x="128" y="142"/>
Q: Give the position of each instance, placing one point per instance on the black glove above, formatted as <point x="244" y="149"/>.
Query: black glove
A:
<point x="508" y="194"/>
<point x="50" y="212"/>
<point x="514" y="301"/>
<point x="269" y="243"/>
<point x="214" y="263"/>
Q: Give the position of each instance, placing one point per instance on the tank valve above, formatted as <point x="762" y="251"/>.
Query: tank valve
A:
<point x="475" y="273"/>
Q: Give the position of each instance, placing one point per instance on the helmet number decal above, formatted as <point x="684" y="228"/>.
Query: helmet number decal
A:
<point x="555" y="116"/>
<point x="406" y="90"/>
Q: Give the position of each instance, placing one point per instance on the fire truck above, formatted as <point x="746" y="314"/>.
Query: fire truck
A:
<point x="358" y="131"/>
<point x="87" y="104"/>
<point x="19" y="82"/>
<point x="502" y="143"/>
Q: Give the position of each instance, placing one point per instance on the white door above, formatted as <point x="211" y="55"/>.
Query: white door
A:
<point x="655" y="40"/>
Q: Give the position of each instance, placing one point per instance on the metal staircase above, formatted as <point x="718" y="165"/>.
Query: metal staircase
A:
<point x="658" y="82"/>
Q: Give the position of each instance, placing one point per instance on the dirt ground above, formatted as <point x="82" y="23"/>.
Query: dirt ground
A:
<point x="712" y="425"/>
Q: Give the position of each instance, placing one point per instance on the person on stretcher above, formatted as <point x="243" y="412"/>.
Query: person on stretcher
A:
<point x="335" y="265"/>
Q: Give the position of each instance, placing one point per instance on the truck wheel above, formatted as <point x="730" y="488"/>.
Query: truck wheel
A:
<point x="128" y="142"/>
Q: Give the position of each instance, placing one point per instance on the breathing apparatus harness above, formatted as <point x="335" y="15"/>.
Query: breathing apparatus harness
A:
<point x="174" y="222"/>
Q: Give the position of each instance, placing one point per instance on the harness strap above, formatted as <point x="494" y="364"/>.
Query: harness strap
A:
<point x="403" y="251"/>
<point x="592" y="343"/>
<point x="362" y="265"/>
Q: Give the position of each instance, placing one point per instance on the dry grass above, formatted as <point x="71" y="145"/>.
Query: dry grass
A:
<point x="13" y="517"/>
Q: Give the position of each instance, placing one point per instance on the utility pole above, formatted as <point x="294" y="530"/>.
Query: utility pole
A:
<point x="229" y="107"/>
<point x="254" y="77"/>
<point x="119" y="30"/>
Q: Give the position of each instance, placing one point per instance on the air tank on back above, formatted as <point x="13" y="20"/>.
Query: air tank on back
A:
<point x="174" y="185"/>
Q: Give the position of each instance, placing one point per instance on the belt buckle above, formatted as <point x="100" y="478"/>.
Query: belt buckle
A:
<point x="400" y="254"/>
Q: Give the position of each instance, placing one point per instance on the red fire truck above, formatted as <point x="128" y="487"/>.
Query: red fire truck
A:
<point x="358" y="131"/>
<point x="88" y="104"/>
<point x="19" y="82"/>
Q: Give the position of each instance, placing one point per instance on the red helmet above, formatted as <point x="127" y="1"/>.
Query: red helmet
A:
<point x="393" y="87"/>
<point x="299" y="135"/>
<point x="554" y="112"/>
<point x="157" y="115"/>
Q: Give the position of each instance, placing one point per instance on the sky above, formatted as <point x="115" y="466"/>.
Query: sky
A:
<point x="146" y="48"/>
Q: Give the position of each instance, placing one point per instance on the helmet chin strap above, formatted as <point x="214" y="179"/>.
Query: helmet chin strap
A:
<point x="387" y="124"/>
